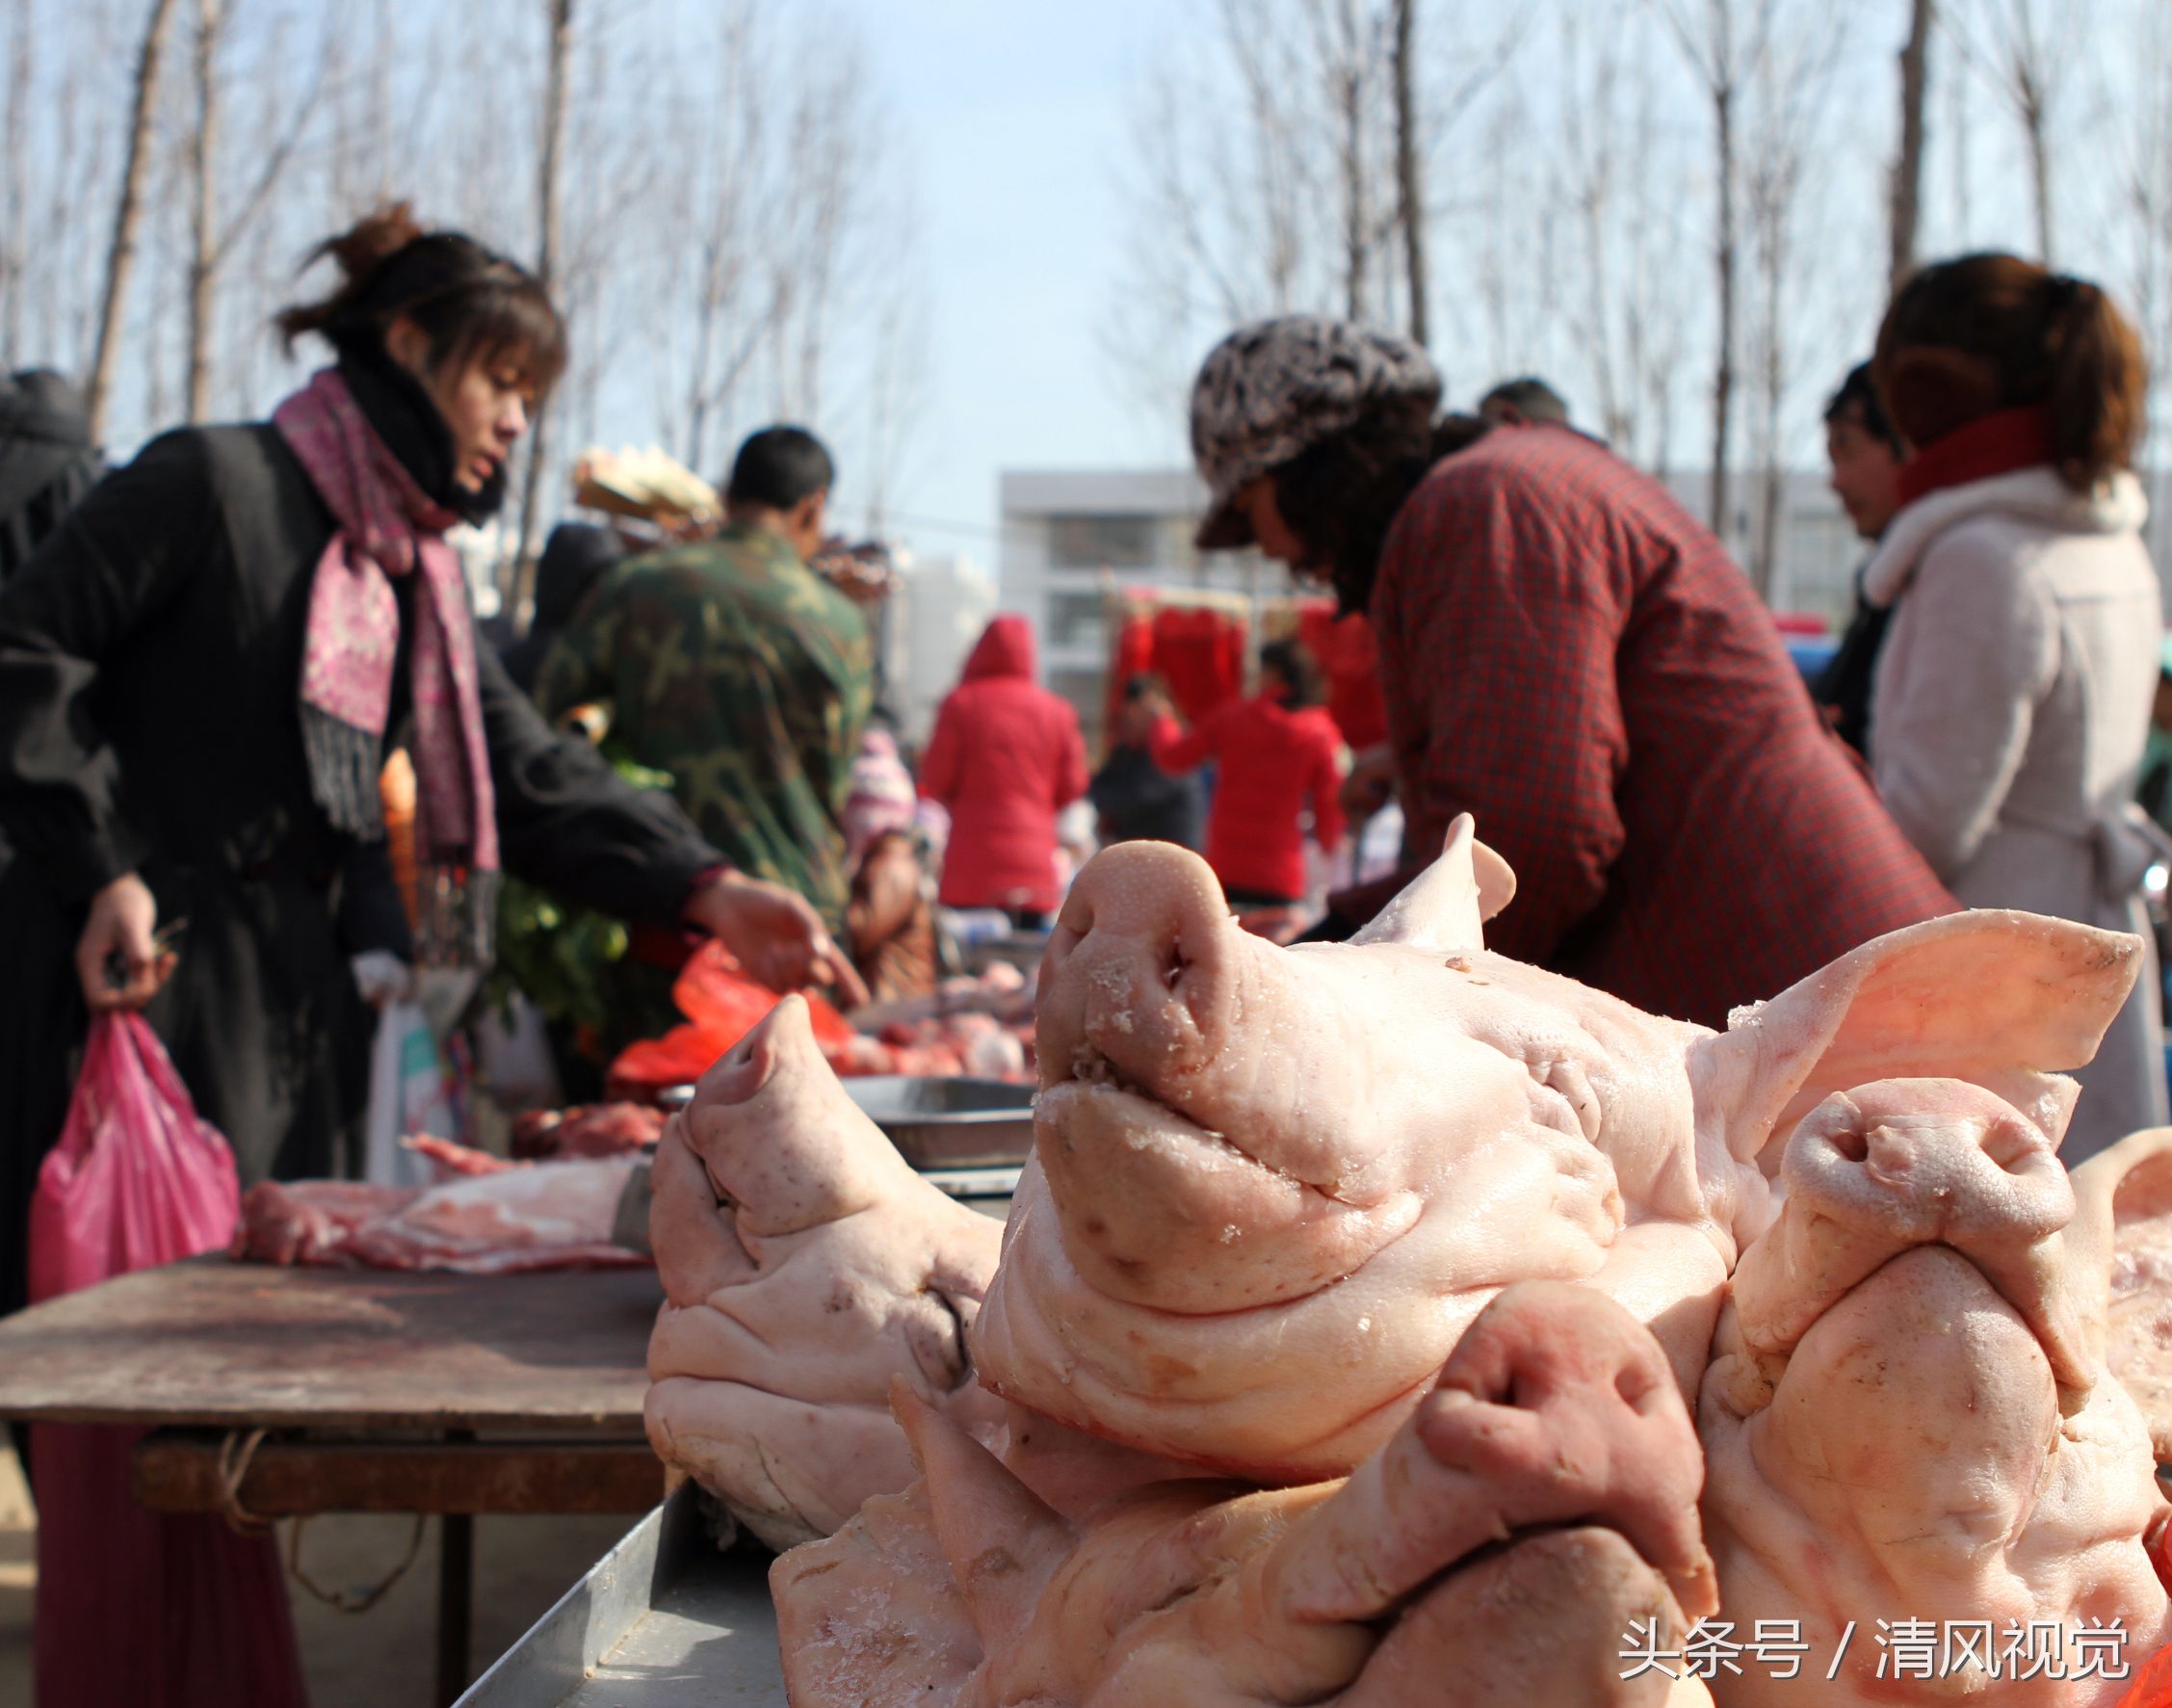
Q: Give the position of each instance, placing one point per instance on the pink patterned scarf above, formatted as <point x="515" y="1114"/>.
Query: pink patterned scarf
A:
<point x="388" y="527"/>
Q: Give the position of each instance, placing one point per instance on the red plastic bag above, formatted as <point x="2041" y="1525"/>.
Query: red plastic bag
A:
<point x="138" y="1180"/>
<point x="721" y="1005"/>
<point x="2152" y="1683"/>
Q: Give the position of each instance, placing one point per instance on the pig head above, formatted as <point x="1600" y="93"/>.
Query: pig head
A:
<point x="805" y="1266"/>
<point x="1272" y="1187"/>
<point x="1537" y="1503"/>
<point x="1908" y="1417"/>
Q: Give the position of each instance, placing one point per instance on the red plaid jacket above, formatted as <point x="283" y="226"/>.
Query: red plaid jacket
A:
<point x="1569" y="656"/>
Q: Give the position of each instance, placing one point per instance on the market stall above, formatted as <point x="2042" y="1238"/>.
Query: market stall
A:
<point x="276" y="1393"/>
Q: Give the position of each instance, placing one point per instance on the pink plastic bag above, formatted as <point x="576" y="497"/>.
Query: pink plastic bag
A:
<point x="138" y="1180"/>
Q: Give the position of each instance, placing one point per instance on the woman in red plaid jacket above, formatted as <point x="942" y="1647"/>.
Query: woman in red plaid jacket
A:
<point x="1568" y="655"/>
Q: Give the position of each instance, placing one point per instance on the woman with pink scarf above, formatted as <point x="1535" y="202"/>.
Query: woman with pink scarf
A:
<point x="200" y="673"/>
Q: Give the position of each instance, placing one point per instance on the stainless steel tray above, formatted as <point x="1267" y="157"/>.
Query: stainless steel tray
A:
<point x="936" y="1122"/>
<point x="950" y="1123"/>
<point x="1022" y="950"/>
<point x="664" y="1621"/>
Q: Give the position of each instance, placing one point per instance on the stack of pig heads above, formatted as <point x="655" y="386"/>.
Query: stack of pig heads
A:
<point x="1292" y="1211"/>
<point x="806" y="1266"/>
<point x="1908" y="1416"/>
<point x="1370" y="1280"/>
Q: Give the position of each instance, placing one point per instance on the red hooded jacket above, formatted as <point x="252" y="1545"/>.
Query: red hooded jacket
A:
<point x="1006" y="757"/>
<point x="1271" y="759"/>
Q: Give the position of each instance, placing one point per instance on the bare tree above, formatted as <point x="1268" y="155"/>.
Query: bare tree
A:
<point x="1286" y="169"/>
<point x="1656" y="294"/>
<point x="561" y="13"/>
<point x="2027" y="52"/>
<point x="211" y="242"/>
<point x="1908" y="165"/>
<point x="203" y="261"/>
<point x="127" y="212"/>
<point x="2147" y="201"/>
<point x="1410" y="191"/>
<point x="15" y="204"/>
<point x="1347" y="43"/>
<point x="1724" y="40"/>
<point x="1586" y="181"/>
<point x="736" y="299"/>
<point x="1791" y="86"/>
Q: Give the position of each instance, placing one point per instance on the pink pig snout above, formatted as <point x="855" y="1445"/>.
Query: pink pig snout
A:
<point x="1887" y="1166"/>
<point x="1136" y="972"/>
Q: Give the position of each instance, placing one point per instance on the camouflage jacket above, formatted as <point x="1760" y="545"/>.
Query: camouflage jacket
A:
<point x="734" y="668"/>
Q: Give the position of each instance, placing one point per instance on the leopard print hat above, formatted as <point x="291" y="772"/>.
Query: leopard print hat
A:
<point x="1270" y="389"/>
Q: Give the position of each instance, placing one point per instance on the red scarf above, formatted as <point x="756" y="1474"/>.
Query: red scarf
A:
<point x="1995" y="444"/>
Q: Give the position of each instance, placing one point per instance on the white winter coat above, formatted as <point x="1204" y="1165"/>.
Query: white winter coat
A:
<point x="2011" y="705"/>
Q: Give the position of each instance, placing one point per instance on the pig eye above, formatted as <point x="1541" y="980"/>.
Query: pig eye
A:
<point x="937" y="1338"/>
<point x="1571" y="1094"/>
<point x="1550" y="1109"/>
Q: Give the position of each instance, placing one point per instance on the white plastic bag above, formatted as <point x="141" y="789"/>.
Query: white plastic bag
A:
<point x="513" y="1051"/>
<point x="410" y="1091"/>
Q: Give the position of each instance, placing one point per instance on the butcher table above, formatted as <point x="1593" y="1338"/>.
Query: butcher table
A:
<point x="280" y="1393"/>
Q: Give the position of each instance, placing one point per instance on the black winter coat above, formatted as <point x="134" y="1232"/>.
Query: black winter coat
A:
<point x="150" y="655"/>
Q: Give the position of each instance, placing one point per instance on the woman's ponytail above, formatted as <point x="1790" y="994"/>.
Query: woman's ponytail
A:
<point x="2099" y="382"/>
<point x="361" y="254"/>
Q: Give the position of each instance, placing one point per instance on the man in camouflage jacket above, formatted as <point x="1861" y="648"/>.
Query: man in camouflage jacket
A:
<point x="734" y="668"/>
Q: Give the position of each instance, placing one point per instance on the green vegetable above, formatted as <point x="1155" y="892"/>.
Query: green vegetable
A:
<point x="565" y="959"/>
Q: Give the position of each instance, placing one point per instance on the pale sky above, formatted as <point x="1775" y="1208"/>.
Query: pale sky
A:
<point x="1016" y="116"/>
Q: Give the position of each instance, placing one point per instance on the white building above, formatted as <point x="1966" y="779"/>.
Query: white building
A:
<point x="1818" y="550"/>
<point x="1072" y="538"/>
<point x="928" y="627"/>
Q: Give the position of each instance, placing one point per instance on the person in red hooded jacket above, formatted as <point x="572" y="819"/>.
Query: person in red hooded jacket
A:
<point x="1005" y="758"/>
<point x="1273" y="751"/>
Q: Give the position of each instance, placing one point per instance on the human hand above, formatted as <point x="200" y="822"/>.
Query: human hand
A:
<point x="1370" y="785"/>
<point x="122" y="930"/>
<point x="775" y="935"/>
<point x="382" y="977"/>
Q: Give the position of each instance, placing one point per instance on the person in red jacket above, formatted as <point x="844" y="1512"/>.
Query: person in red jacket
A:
<point x="1005" y="758"/>
<point x="1273" y="752"/>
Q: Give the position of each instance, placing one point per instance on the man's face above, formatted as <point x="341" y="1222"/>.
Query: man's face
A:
<point x="1865" y="473"/>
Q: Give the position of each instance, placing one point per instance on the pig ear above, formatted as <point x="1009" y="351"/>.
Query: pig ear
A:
<point x="1003" y="1541"/>
<point x="2003" y="1000"/>
<point x="1444" y="907"/>
<point x="2117" y="1250"/>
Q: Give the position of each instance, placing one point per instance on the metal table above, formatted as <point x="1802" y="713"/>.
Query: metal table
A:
<point x="375" y="1392"/>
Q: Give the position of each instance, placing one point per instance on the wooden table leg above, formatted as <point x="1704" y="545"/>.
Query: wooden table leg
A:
<point x="456" y="1597"/>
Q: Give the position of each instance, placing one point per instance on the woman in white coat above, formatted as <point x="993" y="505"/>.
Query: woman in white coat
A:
<point x="2012" y="699"/>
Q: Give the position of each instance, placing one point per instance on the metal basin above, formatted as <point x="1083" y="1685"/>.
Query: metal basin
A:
<point x="937" y="1122"/>
<point x="950" y="1123"/>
